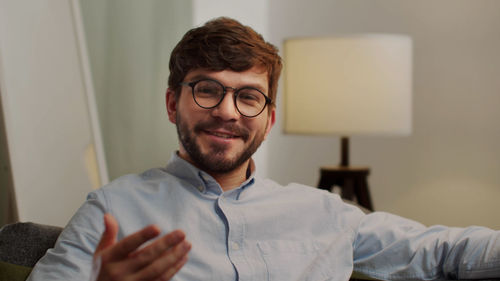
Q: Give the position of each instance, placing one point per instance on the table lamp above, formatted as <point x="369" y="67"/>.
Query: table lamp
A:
<point x="348" y="85"/>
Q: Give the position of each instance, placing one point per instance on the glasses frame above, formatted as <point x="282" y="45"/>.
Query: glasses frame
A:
<point x="192" y="84"/>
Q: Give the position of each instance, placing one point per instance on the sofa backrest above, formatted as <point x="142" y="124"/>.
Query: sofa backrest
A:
<point x="25" y="243"/>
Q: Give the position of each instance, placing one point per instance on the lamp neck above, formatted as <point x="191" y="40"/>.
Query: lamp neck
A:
<point x="344" y="151"/>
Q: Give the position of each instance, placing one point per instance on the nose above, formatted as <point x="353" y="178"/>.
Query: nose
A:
<point x="226" y="110"/>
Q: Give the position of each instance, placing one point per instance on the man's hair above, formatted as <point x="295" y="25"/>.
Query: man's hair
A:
<point x="224" y="44"/>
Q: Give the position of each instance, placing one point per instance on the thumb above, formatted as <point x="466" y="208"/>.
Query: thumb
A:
<point x="108" y="237"/>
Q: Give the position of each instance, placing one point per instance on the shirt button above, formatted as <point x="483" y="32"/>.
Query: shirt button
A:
<point x="235" y="246"/>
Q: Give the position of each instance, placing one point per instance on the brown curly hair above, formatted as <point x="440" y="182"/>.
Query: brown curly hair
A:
<point x="223" y="44"/>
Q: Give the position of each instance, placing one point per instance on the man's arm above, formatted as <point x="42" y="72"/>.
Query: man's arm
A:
<point x="391" y="247"/>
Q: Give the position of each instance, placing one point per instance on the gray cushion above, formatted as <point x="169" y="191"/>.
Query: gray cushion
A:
<point x="25" y="243"/>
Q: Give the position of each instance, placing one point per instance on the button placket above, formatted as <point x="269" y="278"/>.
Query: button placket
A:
<point x="235" y="237"/>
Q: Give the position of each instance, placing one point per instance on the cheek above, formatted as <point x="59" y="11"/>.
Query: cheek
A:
<point x="187" y="112"/>
<point x="258" y="126"/>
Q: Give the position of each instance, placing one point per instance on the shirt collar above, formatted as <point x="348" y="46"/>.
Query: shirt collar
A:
<point x="201" y="180"/>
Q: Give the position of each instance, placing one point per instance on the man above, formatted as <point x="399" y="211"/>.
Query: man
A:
<point x="235" y="226"/>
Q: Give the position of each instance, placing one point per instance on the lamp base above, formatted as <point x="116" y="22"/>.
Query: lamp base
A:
<point x="353" y="182"/>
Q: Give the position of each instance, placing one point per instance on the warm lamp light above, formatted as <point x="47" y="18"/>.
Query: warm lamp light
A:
<point x="348" y="85"/>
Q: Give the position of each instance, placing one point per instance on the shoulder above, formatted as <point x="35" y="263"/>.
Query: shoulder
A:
<point x="313" y="201"/>
<point x="302" y="193"/>
<point x="296" y="190"/>
<point x="151" y="180"/>
<point x="152" y="187"/>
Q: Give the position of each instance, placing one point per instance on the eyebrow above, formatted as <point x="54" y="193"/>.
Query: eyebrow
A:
<point x="204" y="76"/>
<point x="200" y="77"/>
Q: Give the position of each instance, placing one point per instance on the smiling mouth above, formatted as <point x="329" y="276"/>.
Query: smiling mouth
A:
<point x="222" y="135"/>
<point x="222" y="131"/>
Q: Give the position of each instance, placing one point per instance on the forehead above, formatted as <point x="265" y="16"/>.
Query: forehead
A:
<point x="255" y="77"/>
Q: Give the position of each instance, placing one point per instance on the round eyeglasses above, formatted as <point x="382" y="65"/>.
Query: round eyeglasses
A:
<point x="209" y="93"/>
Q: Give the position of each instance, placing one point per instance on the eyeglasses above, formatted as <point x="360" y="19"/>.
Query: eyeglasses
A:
<point x="209" y="93"/>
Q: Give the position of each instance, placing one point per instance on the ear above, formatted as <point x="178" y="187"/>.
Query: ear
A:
<point x="171" y="104"/>
<point x="270" y="121"/>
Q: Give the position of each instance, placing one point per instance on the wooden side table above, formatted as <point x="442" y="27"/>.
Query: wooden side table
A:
<point x="353" y="182"/>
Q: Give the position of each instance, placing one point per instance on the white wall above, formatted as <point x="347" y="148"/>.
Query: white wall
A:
<point x="448" y="171"/>
<point x="46" y="106"/>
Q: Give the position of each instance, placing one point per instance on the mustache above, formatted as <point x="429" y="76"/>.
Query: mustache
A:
<point x="215" y="125"/>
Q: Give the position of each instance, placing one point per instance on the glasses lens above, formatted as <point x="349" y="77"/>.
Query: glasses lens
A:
<point x="207" y="93"/>
<point x="250" y="102"/>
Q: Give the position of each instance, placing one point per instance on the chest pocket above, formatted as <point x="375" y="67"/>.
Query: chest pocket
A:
<point x="293" y="260"/>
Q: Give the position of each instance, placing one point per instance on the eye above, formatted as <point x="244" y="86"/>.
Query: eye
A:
<point x="207" y="89"/>
<point x="250" y="96"/>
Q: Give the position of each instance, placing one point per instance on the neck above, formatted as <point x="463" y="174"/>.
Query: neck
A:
<point x="229" y="180"/>
<point x="235" y="178"/>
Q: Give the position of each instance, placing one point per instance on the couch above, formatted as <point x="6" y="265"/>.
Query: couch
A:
<point x="21" y="246"/>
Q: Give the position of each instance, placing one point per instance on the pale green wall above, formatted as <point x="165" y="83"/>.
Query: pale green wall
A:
<point x="129" y="45"/>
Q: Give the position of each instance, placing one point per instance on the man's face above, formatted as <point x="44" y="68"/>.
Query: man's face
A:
<point x="220" y="139"/>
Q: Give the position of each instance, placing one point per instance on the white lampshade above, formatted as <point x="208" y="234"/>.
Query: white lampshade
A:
<point x="348" y="85"/>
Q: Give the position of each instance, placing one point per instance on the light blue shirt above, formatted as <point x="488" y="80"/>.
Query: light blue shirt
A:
<point x="264" y="231"/>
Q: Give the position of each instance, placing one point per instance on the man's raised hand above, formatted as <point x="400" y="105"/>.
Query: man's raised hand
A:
<point x="127" y="260"/>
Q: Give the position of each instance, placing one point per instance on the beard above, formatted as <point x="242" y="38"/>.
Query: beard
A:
<point x="216" y="161"/>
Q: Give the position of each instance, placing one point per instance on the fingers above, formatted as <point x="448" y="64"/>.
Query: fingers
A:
<point x="108" y="238"/>
<point x="169" y="261"/>
<point x="132" y="242"/>
<point x="156" y="249"/>
<point x="174" y="269"/>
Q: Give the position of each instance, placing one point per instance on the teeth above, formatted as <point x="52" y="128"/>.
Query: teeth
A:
<point x="222" y="135"/>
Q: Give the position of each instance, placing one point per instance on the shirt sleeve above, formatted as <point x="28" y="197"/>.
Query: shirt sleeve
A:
<point x="389" y="247"/>
<point x="71" y="257"/>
